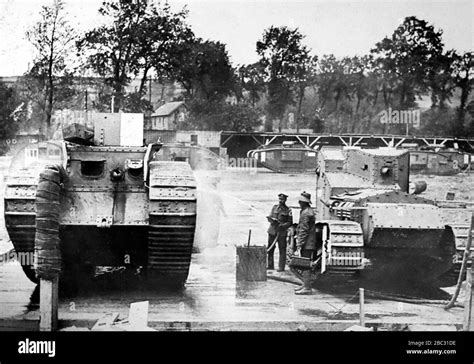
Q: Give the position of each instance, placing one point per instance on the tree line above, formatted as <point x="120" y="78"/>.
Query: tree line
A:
<point x="289" y="87"/>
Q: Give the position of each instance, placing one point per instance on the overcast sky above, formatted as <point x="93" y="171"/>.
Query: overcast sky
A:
<point x="338" y="27"/>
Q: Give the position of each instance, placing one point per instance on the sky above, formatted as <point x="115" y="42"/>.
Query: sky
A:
<point x="344" y="28"/>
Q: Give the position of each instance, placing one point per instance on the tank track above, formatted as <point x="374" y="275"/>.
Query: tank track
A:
<point x="458" y="215"/>
<point x="172" y="222"/>
<point x="334" y="271"/>
<point x="20" y="216"/>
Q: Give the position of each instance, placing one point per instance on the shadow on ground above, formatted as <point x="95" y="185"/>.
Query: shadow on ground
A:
<point x="378" y="288"/>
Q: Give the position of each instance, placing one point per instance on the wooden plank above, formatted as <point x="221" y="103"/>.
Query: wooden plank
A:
<point x="105" y="322"/>
<point x="49" y="304"/>
<point x="138" y="314"/>
<point x="468" y="324"/>
<point x="361" y="307"/>
<point x="464" y="265"/>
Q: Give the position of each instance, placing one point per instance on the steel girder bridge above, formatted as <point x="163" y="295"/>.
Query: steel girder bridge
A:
<point x="238" y="144"/>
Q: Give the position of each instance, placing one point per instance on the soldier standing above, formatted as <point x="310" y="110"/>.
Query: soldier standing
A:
<point x="280" y="219"/>
<point x="306" y="240"/>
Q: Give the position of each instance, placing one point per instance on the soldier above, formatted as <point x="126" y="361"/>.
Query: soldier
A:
<point x="280" y="220"/>
<point x="306" y="240"/>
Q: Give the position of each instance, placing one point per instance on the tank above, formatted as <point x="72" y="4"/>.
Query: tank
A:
<point x="288" y="157"/>
<point x="119" y="205"/>
<point x="443" y="162"/>
<point x="363" y="202"/>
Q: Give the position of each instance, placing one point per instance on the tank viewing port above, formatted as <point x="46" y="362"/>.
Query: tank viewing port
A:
<point x="92" y="168"/>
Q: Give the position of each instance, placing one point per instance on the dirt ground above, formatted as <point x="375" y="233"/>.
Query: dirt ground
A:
<point x="461" y="184"/>
<point x="213" y="299"/>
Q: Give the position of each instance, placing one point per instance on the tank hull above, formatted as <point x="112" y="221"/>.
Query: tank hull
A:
<point x="283" y="159"/>
<point x="406" y="265"/>
<point x="405" y="236"/>
<point x="445" y="163"/>
<point x="117" y="206"/>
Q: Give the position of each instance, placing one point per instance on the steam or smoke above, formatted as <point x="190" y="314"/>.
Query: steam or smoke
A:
<point x="199" y="158"/>
<point x="210" y="207"/>
<point x="210" y="210"/>
<point x="204" y="159"/>
<point x="5" y="244"/>
<point x="31" y="159"/>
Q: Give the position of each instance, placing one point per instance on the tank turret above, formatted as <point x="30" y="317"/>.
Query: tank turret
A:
<point x="344" y="171"/>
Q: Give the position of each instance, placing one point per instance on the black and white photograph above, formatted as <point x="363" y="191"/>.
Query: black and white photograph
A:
<point x="243" y="166"/>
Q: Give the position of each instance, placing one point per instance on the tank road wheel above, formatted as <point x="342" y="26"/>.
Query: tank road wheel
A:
<point x="172" y="222"/>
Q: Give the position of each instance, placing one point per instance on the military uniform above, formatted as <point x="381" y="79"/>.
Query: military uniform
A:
<point x="282" y="219"/>
<point x="306" y="239"/>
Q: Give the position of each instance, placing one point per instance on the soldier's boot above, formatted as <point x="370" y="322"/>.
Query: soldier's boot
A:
<point x="306" y="288"/>
<point x="281" y="264"/>
<point x="304" y="291"/>
<point x="270" y="264"/>
<point x="299" y="288"/>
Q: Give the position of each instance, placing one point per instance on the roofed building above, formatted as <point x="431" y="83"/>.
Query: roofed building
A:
<point x="168" y="116"/>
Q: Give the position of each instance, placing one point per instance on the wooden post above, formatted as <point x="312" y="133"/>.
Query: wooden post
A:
<point x="465" y="258"/>
<point x="468" y="324"/>
<point x="49" y="304"/>
<point x="361" y="307"/>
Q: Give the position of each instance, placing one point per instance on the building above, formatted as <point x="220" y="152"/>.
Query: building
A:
<point x="168" y="116"/>
<point x="204" y="138"/>
<point x="89" y="89"/>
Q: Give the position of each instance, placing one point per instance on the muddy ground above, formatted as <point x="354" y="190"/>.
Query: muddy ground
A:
<point x="213" y="300"/>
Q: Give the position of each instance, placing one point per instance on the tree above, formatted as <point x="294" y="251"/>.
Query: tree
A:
<point x="10" y="110"/>
<point x="112" y="49"/>
<point x="327" y="70"/>
<point x="161" y="36"/>
<point x="305" y="76"/>
<point x="334" y="89"/>
<point x="134" y="102"/>
<point x="203" y="68"/>
<point x="407" y="59"/>
<point x="284" y="59"/>
<point x="361" y="91"/>
<point x="252" y="81"/>
<point x="141" y="37"/>
<point x="463" y="70"/>
<point x="53" y="38"/>
<point x="442" y="81"/>
<point x="347" y="93"/>
<point x="223" y="116"/>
